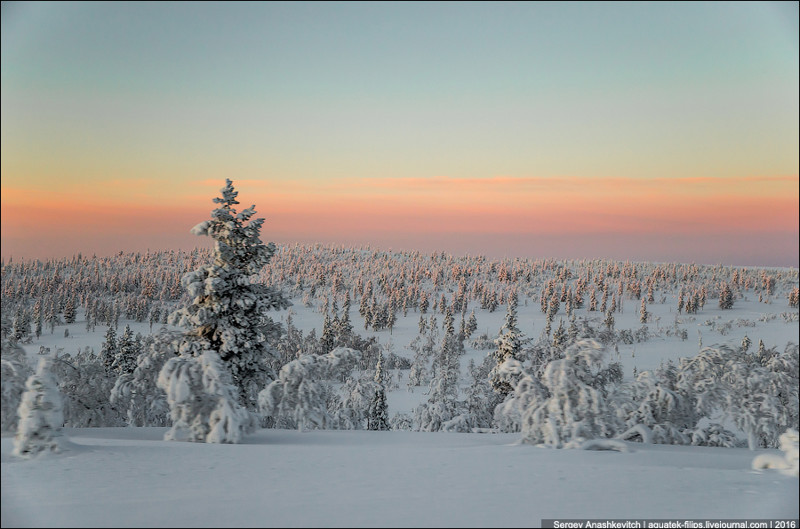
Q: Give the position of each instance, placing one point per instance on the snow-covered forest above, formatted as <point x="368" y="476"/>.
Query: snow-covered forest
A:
<point x="224" y="344"/>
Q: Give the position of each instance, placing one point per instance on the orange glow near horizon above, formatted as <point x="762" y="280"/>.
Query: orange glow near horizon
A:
<point x="409" y="210"/>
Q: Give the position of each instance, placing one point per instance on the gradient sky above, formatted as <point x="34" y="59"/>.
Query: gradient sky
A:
<point x="640" y="131"/>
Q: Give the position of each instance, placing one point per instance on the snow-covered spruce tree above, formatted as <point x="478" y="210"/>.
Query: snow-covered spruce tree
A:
<point x="21" y="325"/>
<point x="69" y="310"/>
<point x="128" y="350"/>
<point x="298" y="398"/>
<point x="137" y="394"/>
<point x="575" y="409"/>
<point x="40" y="414"/>
<point x="472" y="325"/>
<point x="725" y="296"/>
<point x="15" y="372"/>
<point x="204" y="404"/>
<point x="509" y="346"/>
<point x="378" y="409"/>
<point x="227" y="311"/>
<point x="109" y="349"/>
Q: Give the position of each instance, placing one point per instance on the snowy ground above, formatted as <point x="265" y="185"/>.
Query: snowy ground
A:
<point x="127" y="477"/>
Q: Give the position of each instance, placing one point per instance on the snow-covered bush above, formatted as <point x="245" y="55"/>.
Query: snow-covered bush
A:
<point x="753" y="404"/>
<point x="480" y="399"/>
<point x="483" y="342"/>
<point x="648" y="409"/>
<point x="443" y="404"/>
<point x="430" y="416"/>
<point x="298" y="398"/>
<point x="424" y="347"/>
<point x="786" y="464"/>
<point x="790" y="445"/>
<point x="137" y="394"/>
<point x="401" y="421"/>
<point x="86" y="389"/>
<point x="459" y="424"/>
<point x="786" y="368"/>
<point x="575" y="408"/>
<point x="757" y="392"/>
<point x="527" y="390"/>
<point x="40" y="414"/>
<point x="15" y="372"/>
<point x="714" y="434"/>
<point x="203" y="401"/>
<point x="351" y="403"/>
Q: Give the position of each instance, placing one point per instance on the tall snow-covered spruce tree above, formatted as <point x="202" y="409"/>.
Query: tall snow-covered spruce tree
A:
<point x="227" y="312"/>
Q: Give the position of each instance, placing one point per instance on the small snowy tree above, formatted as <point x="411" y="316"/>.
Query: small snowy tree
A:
<point x="40" y="414"/>
<point x="472" y="325"/>
<point x="128" y="350"/>
<point x="725" y="296"/>
<point x="228" y="311"/>
<point x="21" y="325"/>
<point x="379" y="409"/>
<point x="109" y="349"/>
<point x="509" y="346"/>
<point x="69" y="310"/>
<point x="746" y="343"/>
